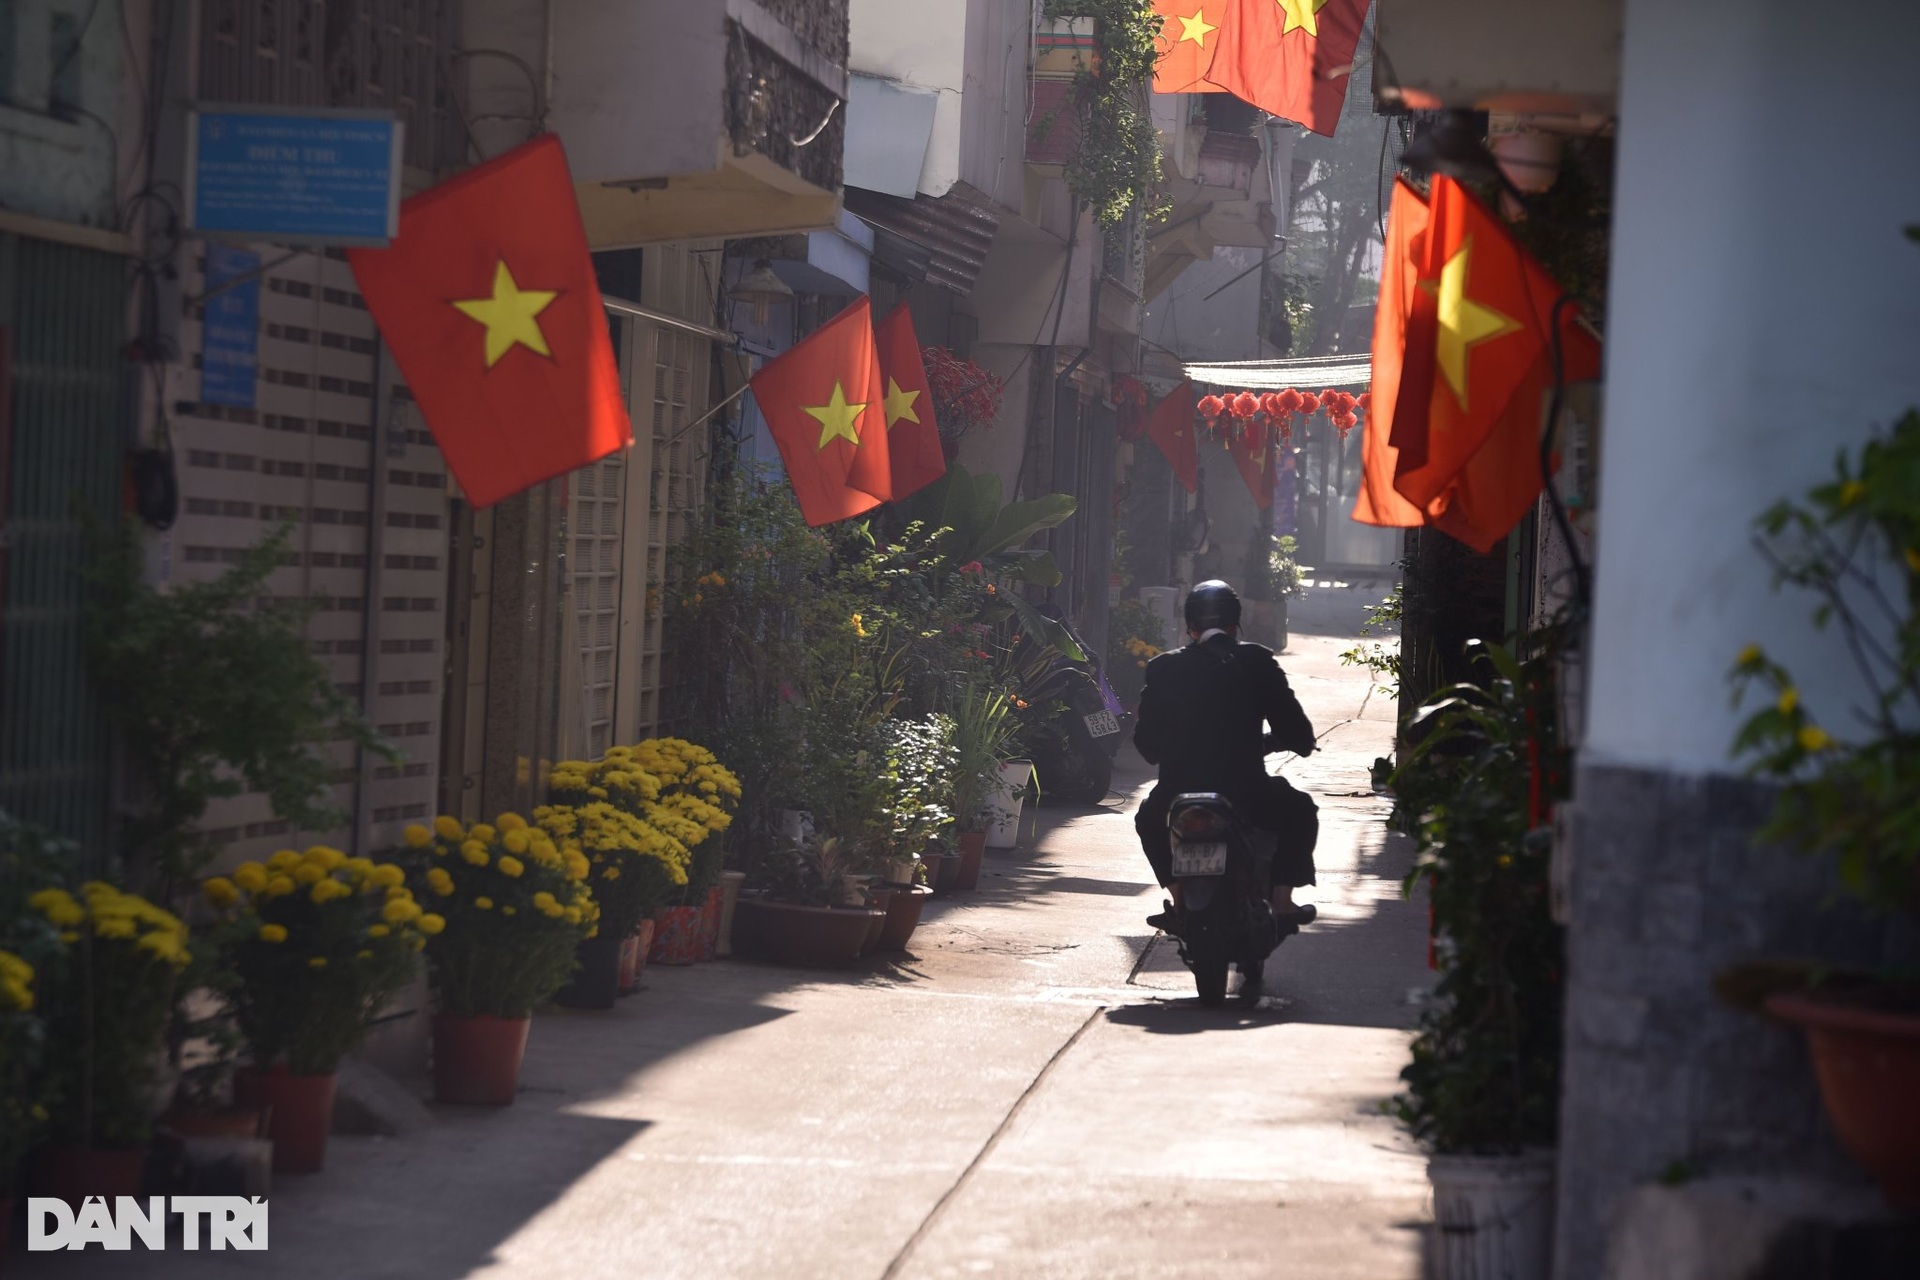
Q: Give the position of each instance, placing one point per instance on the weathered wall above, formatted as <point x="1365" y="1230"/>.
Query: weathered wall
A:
<point x="921" y="43"/>
<point x="59" y="112"/>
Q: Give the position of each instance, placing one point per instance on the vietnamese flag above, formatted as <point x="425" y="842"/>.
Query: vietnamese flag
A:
<point x="1379" y="503"/>
<point x="1289" y="57"/>
<point x="488" y="302"/>
<point x="825" y="404"/>
<point x="913" y="437"/>
<point x="1189" y="29"/>
<point x="1476" y="351"/>
<point x="1251" y="446"/>
<point x="1171" y="427"/>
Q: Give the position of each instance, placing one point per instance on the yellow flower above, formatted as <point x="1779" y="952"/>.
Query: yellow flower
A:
<point x="511" y="867"/>
<point x="358" y="868"/>
<point x="273" y="933"/>
<point x="510" y="822"/>
<point x="439" y="881"/>
<point x="399" y="911"/>
<point x="363" y="955"/>
<point x="386" y="875"/>
<point x="219" y="892"/>
<point x="327" y="890"/>
<point x="572" y="914"/>
<point x="508" y="910"/>
<point x="250" y="876"/>
<point x="280" y="886"/>
<point x="325" y="858"/>
<point x="485" y="904"/>
<point x="115" y="927"/>
<point x="378" y="931"/>
<point x="430" y="924"/>
<point x="316" y="962"/>
<point x="1750" y="656"/>
<point x="417" y="836"/>
<point x="309" y="873"/>
<point x="58" y="906"/>
<point x="1789" y="699"/>
<point x="516" y="841"/>
<point x="544" y="900"/>
<point x="482" y="832"/>
<point x="475" y="852"/>
<point x="283" y="861"/>
<point x="1851" y="492"/>
<point x="448" y="828"/>
<point x="1813" y="738"/>
<point x="1913" y="559"/>
<point x="858" y="630"/>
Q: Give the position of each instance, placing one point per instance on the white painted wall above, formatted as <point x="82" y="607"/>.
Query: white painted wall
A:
<point x="922" y="43"/>
<point x="1764" y="310"/>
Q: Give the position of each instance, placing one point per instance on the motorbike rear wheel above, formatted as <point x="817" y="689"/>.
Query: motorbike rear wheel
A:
<point x="1081" y="774"/>
<point x="1210" y="980"/>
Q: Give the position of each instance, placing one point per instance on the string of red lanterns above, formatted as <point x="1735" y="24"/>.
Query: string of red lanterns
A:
<point x="1280" y="408"/>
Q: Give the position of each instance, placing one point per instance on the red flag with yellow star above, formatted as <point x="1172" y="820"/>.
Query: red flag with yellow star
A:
<point x="1290" y="57"/>
<point x="488" y="302"/>
<point x="1475" y="367"/>
<point x="1171" y="427"/>
<point x="1188" y="31"/>
<point x="913" y="437"/>
<point x="1378" y="502"/>
<point x="1251" y="445"/>
<point x="825" y="403"/>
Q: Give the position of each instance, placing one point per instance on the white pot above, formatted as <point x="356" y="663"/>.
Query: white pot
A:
<point x="1015" y="774"/>
<point x="1492" y="1217"/>
<point x="796" y="825"/>
<point x="900" y="870"/>
<point x="1002" y="810"/>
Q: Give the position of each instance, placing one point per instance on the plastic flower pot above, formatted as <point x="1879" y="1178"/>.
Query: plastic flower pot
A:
<point x="300" y="1113"/>
<point x="1492" y="1215"/>
<point x="1867" y="1061"/>
<point x="676" y="936"/>
<point x="973" y="849"/>
<point x="74" y="1173"/>
<point x="476" y="1058"/>
<point x="903" y="906"/>
<point x="640" y="944"/>
<point x="596" y="983"/>
<point x="710" y="924"/>
<point x="730" y="882"/>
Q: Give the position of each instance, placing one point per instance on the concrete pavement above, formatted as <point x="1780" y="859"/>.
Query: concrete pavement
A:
<point x="1031" y="1091"/>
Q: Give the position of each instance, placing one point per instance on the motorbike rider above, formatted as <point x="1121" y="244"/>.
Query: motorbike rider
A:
<point x="1209" y="714"/>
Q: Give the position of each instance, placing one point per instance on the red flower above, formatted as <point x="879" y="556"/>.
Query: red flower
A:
<point x="972" y="566"/>
<point x="1211" y="407"/>
<point x="1245" y="405"/>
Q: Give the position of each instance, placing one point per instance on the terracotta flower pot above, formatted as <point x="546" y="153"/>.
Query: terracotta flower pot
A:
<point x="596" y="983"/>
<point x="903" y="907"/>
<point x="807" y="937"/>
<point x="1867" y="1061"/>
<point x="476" y="1058"/>
<point x="973" y="849"/>
<point x="629" y="968"/>
<point x="876" y="922"/>
<point x="730" y="882"/>
<point x="941" y="871"/>
<point x="300" y="1113"/>
<point x="74" y="1173"/>
<point x="642" y="943"/>
<point x="676" y="936"/>
<point x="710" y="924"/>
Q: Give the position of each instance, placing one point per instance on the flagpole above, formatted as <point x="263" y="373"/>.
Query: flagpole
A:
<point x="708" y="414"/>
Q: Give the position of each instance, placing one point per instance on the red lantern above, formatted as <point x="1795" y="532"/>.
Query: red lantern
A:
<point x="1309" y="402"/>
<point x="1364" y="400"/>
<point x="1211" y="407"/>
<point x="1290" y="400"/>
<point x="1271" y="406"/>
<point x="1245" y="405"/>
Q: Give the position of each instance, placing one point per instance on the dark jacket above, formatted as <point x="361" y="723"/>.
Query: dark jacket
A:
<point x="1205" y="715"/>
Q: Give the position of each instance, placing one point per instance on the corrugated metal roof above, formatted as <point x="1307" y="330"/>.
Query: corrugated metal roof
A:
<point x="1339" y="372"/>
<point x="955" y="231"/>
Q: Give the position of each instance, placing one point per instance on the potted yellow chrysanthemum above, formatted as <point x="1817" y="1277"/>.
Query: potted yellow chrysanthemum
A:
<point x="314" y="944"/>
<point x="516" y="907"/>
<point x="104" y="998"/>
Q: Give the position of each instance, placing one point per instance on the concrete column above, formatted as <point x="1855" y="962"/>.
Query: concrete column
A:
<point x="1763" y="308"/>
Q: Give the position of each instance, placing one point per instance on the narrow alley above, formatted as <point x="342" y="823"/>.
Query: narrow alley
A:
<point x="1030" y="1091"/>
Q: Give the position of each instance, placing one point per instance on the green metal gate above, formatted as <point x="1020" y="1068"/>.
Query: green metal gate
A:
<point x="60" y="462"/>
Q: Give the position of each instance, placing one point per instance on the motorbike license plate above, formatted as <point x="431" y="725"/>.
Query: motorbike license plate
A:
<point x="1200" y="859"/>
<point x="1101" y="723"/>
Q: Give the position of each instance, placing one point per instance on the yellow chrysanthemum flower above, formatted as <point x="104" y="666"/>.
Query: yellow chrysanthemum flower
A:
<point x="250" y="876"/>
<point x="281" y="886"/>
<point x="511" y="822"/>
<point x="399" y="911"/>
<point x="1813" y="738"/>
<point x="309" y="873"/>
<point x="448" y="828"/>
<point x="283" y="861"/>
<point x="387" y="876"/>
<point x="316" y="962"/>
<point x="327" y="890"/>
<point x="417" y="836"/>
<point x="220" y="892"/>
<point x="475" y="853"/>
<point x="378" y="930"/>
<point x="439" y="881"/>
<point x="273" y="933"/>
<point x="484" y="903"/>
<point x="1789" y="699"/>
<point x="511" y="867"/>
<point x="431" y="924"/>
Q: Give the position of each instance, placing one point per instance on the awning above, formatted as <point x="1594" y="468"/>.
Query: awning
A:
<point x="1338" y="372"/>
<point x="955" y="231"/>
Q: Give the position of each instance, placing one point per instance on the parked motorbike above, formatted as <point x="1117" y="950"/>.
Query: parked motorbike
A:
<point x="1073" y="752"/>
<point x="1221" y="908"/>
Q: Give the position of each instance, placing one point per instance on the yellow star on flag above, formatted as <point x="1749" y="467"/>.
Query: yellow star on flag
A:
<point x="1302" y="15"/>
<point x="509" y="315"/>
<point x="899" y="404"/>
<point x="1463" y="323"/>
<point x="836" y="417"/>
<point x="1196" y="28"/>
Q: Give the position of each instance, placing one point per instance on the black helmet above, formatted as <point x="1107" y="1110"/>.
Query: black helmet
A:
<point x="1212" y="604"/>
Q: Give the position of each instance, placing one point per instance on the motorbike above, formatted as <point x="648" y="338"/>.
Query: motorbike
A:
<point x="1073" y="752"/>
<point x="1220" y="864"/>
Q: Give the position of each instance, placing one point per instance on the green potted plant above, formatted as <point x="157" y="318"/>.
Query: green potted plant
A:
<point x="1849" y="788"/>
<point x="29" y="943"/>
<point x="985" y="728"/>
<point x="1482" y="1089"/>
<point x="315" y="944"/>
<point x="810" y="909"/>
<point x="516" y="907"/>
<point x="105" y="997"/>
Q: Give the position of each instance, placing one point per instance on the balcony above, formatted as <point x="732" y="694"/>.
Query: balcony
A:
<point x="701" y="121"/>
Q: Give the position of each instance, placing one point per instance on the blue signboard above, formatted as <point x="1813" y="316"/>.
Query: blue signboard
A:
<point x="230" y="328"/>
<point x="314" y="177"/>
